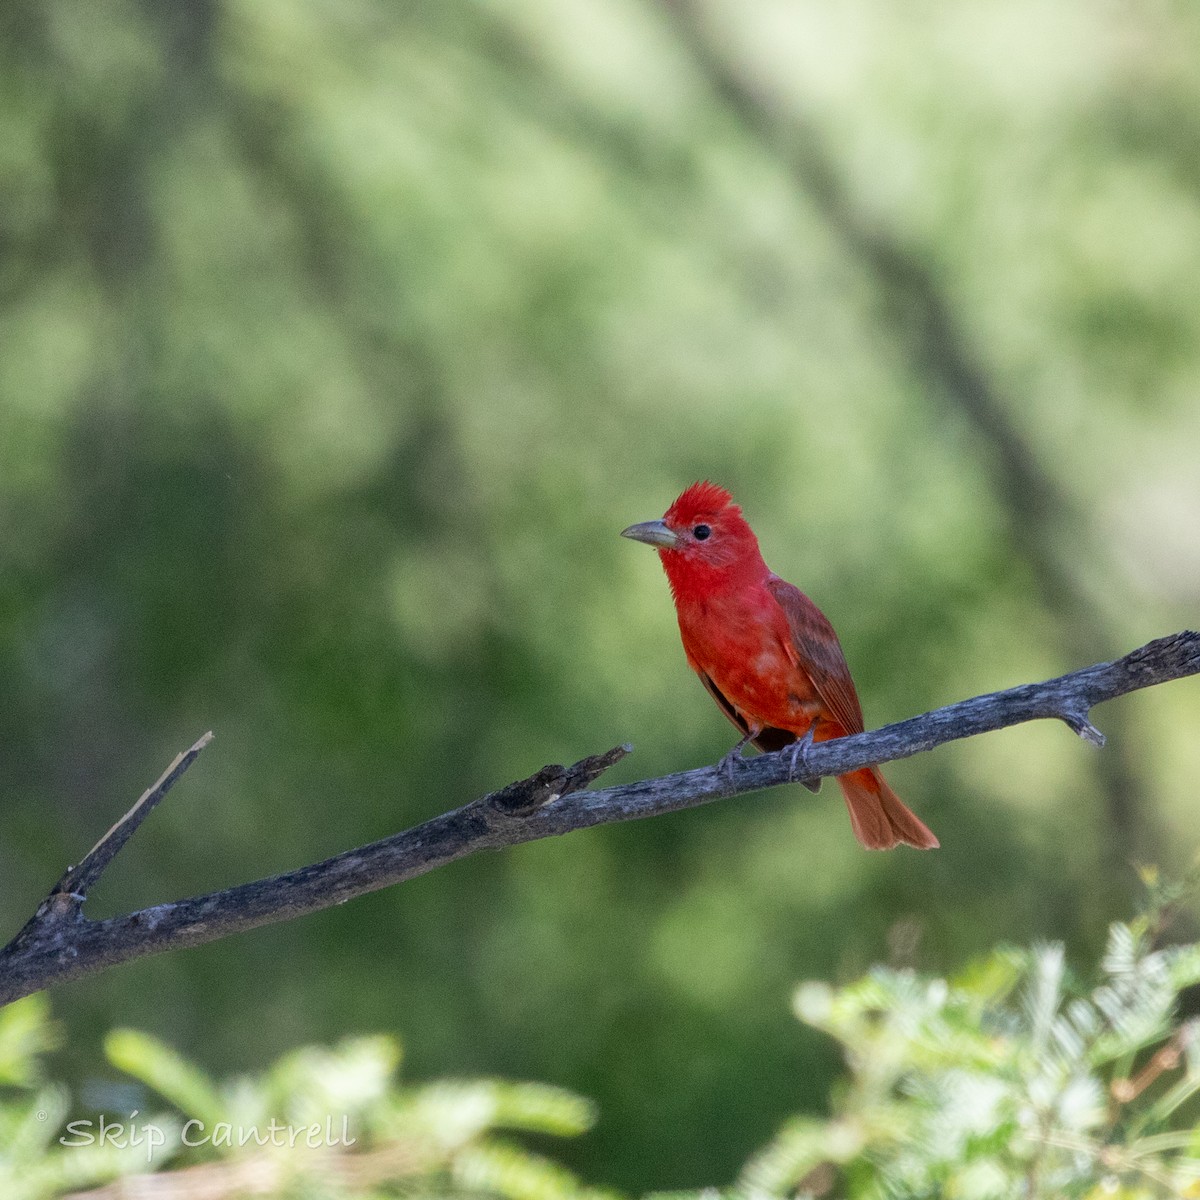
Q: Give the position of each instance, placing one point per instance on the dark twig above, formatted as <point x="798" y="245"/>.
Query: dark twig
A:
<point x="78" y="881"/>
<point x="68" y="894"/>
<point x="60" y="944"/>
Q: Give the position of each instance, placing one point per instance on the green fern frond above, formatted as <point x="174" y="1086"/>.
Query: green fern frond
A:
<point x="506" y="1170"/>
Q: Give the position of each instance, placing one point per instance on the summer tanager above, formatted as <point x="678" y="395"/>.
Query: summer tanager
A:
<point x="766" y="653"/>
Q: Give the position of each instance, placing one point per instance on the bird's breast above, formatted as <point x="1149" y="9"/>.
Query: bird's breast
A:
<point x="738" y="642"/>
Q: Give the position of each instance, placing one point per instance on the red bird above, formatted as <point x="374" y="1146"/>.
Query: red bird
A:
<point x="765" y="651"/>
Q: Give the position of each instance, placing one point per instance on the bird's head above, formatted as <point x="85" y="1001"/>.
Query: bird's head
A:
<point x="701" y="537"/>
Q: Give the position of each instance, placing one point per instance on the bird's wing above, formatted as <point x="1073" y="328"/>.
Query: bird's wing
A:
<point x="816" y="650"/>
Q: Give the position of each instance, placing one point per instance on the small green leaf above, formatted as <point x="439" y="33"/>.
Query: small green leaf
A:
<point x="26" y="1033"/>
<point x="168" y="1073"/>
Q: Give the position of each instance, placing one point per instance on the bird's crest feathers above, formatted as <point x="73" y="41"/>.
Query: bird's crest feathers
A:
<point x="702" y="499"/>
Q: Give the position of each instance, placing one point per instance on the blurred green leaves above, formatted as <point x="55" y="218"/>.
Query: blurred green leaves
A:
<point x="319" y="1122"/>
<point x="26" y="1033"/>
<point x="1016" y="1079"/>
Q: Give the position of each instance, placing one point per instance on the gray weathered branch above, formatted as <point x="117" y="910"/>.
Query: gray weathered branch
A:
<point x="59" y="943"/>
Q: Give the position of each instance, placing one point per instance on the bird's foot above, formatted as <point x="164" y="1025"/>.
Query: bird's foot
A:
<point x="730" y="760"/>
<point x="798" y="769"/>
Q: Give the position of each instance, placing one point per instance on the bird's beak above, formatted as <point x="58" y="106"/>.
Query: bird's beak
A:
<point x="653" y="533"/>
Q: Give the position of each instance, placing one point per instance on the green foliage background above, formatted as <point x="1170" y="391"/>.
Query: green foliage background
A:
<point x="337" y="342"/>
<point x="1017" y="1078"/>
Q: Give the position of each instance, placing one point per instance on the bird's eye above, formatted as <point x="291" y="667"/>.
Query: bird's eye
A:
<point x="701" y="532"/>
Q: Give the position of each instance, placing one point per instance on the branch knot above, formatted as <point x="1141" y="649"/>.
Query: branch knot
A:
<point x="552" y="782"/>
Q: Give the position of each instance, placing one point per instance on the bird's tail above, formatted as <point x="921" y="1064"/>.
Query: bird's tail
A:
<point x="880" y="818"/>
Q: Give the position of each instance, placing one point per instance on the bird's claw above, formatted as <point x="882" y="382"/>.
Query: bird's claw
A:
<point x="726" y="765"/>
<point x="798" y="770"/>
<point x="730" y="760"/>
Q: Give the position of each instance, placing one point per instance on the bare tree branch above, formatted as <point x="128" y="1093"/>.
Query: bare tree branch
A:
<point x="59" y="943"/>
